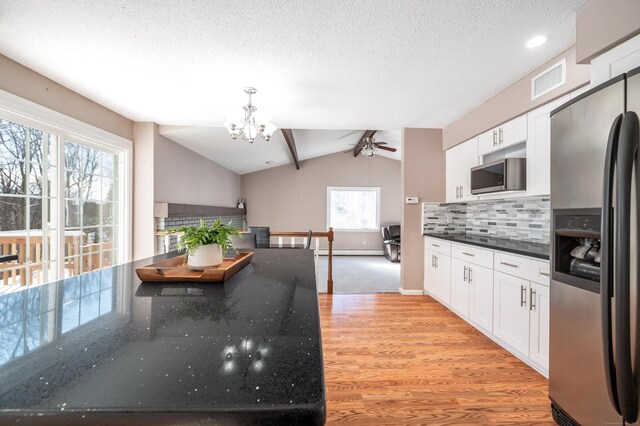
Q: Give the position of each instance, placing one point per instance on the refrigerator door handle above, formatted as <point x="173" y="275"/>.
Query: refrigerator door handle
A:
<point x="627" y="150"/>
<point x="606" y="287"/>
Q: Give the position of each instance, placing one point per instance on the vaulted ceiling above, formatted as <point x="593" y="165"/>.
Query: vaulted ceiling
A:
<point x="320" y="67"/>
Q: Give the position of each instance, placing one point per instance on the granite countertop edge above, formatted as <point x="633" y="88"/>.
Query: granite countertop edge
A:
<point x="525" y="249"/>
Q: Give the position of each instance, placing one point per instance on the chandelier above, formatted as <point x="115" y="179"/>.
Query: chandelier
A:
<point x="253" y="125"/>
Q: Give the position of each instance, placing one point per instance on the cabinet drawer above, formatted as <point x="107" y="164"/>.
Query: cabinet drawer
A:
<point x="437" y="245"/>
<point x="540" y="272"/>
<point x="471" y="254"/>
<point x="513" y="265"/>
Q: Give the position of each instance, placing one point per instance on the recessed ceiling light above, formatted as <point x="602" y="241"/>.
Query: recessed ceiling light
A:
<point x="268" y="162"/>
<point x="536" y="41"/>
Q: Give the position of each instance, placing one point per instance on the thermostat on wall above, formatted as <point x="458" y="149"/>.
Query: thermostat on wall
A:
<point x="413" y="200"/>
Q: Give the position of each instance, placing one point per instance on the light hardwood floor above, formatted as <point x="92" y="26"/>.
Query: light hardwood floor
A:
<point x="407" y="360"/>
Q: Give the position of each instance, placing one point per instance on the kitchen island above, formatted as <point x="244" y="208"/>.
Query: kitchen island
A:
<point x="105" y="348"/>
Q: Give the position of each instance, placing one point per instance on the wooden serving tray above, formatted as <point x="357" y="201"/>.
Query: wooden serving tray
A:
<point x="176" y="270"/>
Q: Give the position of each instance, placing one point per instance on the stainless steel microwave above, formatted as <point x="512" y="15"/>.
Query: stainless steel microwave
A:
<point x="508" y="174"/>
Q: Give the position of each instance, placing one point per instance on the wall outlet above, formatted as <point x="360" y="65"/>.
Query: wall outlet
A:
<point x="412" y="200"/>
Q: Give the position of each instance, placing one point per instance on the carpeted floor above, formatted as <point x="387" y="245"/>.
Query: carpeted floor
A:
<point x="360" y="274"/>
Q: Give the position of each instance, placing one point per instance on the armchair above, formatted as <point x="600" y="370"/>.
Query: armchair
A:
<point x="391" y="240"/>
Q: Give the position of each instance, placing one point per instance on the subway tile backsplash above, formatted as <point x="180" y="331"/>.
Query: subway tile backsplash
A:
<point x="444" y="218"/>
<point x="523" y="219"/>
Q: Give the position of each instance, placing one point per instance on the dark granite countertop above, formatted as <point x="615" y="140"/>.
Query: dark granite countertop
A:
<point x="104" y="348"/>
<point x="537" y="250"/>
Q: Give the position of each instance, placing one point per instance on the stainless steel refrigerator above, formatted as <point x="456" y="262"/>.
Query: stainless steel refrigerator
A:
<point x="594" y="365"/>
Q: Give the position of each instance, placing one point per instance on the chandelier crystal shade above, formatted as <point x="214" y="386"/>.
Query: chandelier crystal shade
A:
<point x="253" y="125"/>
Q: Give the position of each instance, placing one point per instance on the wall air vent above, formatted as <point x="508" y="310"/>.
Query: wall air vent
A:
<point x="549" y="79"/>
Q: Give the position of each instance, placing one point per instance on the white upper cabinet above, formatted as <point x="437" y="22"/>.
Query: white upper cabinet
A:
<point x="616" y="61"/>
<point x="510" y="133"/>
<point x="539" y="148"/>
<point x="460" y="160"/>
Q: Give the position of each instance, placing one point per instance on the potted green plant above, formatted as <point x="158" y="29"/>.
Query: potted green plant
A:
<point x="205" y="244"/>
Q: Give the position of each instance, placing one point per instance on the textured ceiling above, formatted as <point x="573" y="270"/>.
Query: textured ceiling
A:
<point x="322" y="64"/>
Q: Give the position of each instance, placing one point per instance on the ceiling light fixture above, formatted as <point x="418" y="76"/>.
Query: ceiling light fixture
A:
<point x="536" y="41"/>
<point x="252" y="125"/>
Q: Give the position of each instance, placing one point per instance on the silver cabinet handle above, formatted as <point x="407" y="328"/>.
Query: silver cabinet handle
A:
<point x="470" y="275"/>
<point x="494" y="138"/>
<point x="465" y="274"/>
<point x="435" y="245"/>
<point x="546" y="274"/>
<point x="461" y="191"/>
<point x="523" y="295"/>
<point x="433" y="262"/>
<point x="457" y="192"/>
<point x="509" y="264"/>
<point x="468" y="254"/>
<point x="532" y="299"/>
<point x="436" y="262"/>
<point x="501" y="139"/>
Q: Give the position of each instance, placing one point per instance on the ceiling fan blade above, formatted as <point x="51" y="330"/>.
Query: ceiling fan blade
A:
<point x="387" y="148"/>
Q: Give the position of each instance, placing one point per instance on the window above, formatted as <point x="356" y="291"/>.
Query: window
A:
<point x="353" y="208"/>
<point x="64" y="195"/>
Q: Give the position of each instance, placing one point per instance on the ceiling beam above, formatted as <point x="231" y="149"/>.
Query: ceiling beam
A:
<point x="360" y="145"/>
<point x="291" y="143"/>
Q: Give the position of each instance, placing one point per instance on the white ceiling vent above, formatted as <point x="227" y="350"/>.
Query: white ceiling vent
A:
<point x="549" y="79"/>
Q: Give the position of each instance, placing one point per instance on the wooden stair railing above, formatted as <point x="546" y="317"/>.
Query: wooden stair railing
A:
<point x="328" y="235"/>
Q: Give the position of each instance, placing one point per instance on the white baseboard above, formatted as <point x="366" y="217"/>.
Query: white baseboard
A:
<point x="406" y="292"/>
<point x="347" y="252"/>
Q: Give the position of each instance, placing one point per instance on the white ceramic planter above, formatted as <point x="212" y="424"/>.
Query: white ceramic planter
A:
<point x="209" y="255"/>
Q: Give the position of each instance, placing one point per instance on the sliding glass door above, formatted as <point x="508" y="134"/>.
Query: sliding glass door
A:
<point x="91" y="207"/>
<point x="60" y="205"/>
<point x="28" y="204"/>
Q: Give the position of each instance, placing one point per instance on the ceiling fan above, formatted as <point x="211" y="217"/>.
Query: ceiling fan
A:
<point x="368" y="146"/>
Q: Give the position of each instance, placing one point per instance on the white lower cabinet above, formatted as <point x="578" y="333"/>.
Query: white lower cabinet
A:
<point x="437" y="276"/>
<point x="511" y="313"/>
<point x="505" y="296"/>
<point x="481" y="310"/>
<point x="459" y="287"/>
<point x="472" y="292"/>
<point x="539" y="324"/>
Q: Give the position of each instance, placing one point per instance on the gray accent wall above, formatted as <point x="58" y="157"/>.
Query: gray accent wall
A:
<point x="522" y="219"/>
<point x="167" y="243"/>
